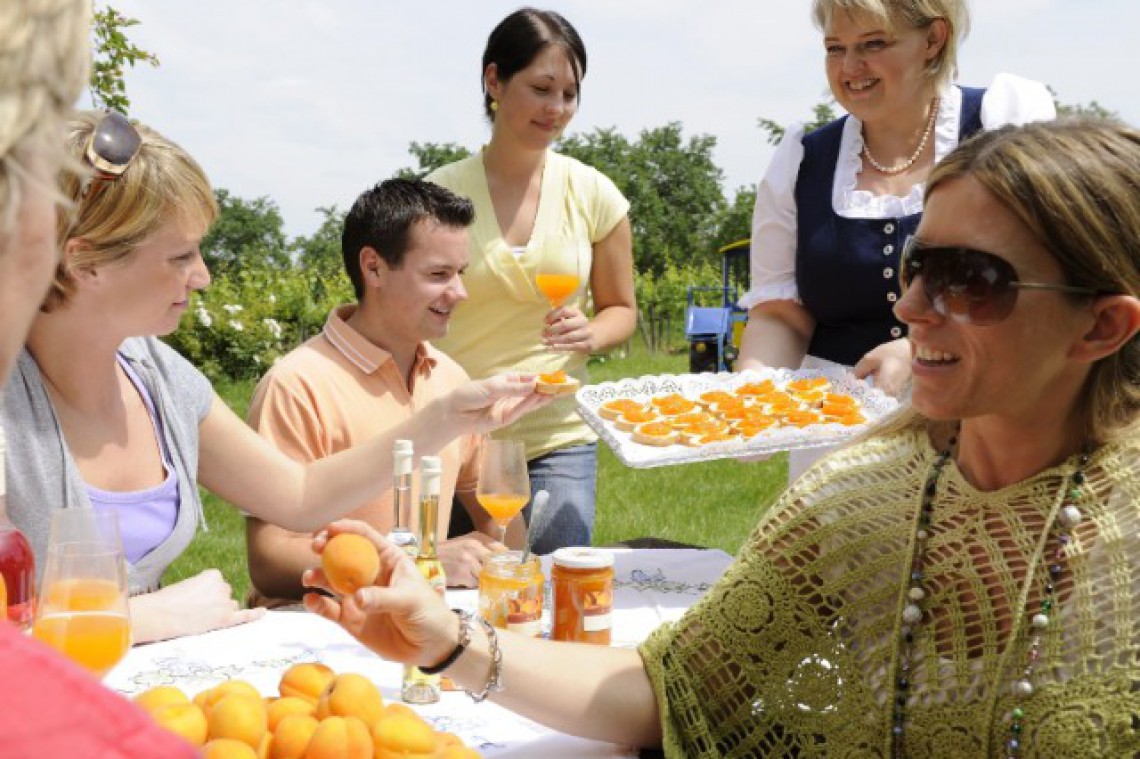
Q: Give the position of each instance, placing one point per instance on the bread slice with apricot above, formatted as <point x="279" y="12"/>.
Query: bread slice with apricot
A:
<point x="556" y="383"/>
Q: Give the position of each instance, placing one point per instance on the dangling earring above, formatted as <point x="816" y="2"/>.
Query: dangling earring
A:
<point x="494" y="106"/>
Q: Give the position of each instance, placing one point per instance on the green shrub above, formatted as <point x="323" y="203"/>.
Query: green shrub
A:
<point x="239" y="325"/>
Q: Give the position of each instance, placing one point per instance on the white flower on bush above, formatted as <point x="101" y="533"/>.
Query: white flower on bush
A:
<point x="236" y="326"/>
<point x="204" y="317"/>
<point x="274" y="328"/>
<point x="232" y="308"/>
<point x="272" y="298"/>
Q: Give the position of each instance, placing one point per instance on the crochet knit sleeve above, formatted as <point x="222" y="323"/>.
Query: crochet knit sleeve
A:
<point x="795" y="651"/>
<point x="756" y="664"/>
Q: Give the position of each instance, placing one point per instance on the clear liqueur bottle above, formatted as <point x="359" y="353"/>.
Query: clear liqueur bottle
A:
<point x="418" y="687"/>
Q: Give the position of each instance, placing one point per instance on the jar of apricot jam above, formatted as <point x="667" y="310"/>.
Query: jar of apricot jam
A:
<point x="510" y="593"/>
<point x="583" y="584"/>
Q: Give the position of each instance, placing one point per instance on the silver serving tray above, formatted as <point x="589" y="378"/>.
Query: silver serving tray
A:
<point x="875" y="405"/>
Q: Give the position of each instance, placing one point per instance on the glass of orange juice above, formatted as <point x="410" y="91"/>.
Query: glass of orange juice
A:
<point x="82" y="609"/>
<point x="559" y="273"/>
<point x="504" y="483"/>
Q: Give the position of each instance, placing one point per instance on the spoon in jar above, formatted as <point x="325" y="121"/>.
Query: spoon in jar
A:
<point x="540" y="499"/>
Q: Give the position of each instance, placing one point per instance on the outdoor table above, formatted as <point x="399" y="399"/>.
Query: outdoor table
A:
<point x="650" y="587"/>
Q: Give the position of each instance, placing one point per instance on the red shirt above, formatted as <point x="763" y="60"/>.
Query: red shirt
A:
<point x="50" y="708"/>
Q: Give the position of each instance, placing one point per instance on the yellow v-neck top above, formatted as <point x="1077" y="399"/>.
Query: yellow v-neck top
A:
<point x="499" y="327"/>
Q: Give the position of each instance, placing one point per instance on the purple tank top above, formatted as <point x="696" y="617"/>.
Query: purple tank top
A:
<point x="146" y="517"/>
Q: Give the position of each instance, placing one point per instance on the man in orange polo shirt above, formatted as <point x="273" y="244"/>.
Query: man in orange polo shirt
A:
<point x="405" y="247"/>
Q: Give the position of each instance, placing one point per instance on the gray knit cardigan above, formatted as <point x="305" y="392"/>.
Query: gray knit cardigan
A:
<point x="43" y="476"/>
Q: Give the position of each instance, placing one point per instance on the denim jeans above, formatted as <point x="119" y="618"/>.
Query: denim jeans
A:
<point x="570" y="475"/>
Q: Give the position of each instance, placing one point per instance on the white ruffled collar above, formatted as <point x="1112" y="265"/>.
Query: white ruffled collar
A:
<point x="851" y="203"/>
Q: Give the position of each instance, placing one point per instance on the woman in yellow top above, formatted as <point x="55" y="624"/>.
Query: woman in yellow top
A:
<point x="965" y="582"/>
<point x="539" y="214"/>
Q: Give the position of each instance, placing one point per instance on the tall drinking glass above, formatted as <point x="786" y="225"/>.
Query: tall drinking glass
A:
<point x="504" y="483"/>
<point x="82" y="609"/>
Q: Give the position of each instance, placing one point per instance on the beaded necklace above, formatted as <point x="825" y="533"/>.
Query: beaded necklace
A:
<point x="913" y="613"/>
<point x="901" y="167"/>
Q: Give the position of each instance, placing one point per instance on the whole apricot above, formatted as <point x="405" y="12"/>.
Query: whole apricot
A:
<point x="396" y="709"/>
<point x="351" y="695"/>
<point x="155" y="698"/>
<point x="292" y="736"/>
<point x="350" y="562"/>
<point x="207" y="698"/>
<point x="458" y="752"/>
<point x="227" y="748"/>
<point x="401" y="737"/>
<point x="340" y="738"/>
<point x="184" y="719"/>
<point x="239" y="717"/>
<point x="306" y="681"/>
<point x="283" y="707"/>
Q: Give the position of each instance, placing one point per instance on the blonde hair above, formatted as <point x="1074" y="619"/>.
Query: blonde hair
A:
<point x="910" y="14"/>
<point x="44" y="62"/>
<point x="1075" y="184"/>
<point x="161" y="183"/>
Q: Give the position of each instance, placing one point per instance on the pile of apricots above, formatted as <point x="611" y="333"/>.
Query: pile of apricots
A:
<point x="319" y="715"/>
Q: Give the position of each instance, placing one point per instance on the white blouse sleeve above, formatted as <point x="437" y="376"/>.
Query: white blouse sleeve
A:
<point x="1011" y="99"/>
<point x="773" y="256"/>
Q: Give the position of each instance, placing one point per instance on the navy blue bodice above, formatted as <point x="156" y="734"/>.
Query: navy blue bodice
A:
<point x="847" y="269"/>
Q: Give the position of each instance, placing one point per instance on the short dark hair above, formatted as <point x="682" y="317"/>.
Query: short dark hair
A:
<point x="521" y="36"/>
<point x="382" y="217"/>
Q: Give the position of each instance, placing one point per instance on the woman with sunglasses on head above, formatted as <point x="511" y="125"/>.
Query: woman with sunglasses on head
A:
<point x="111" y="417"/>
<point x="535" y="211"/>
<point x="963" y="581"/>
<point x="836" y="204"/>
<point x="44" y="61"/>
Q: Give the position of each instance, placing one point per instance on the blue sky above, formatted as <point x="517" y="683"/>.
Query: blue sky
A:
<point x="311" y="101"/>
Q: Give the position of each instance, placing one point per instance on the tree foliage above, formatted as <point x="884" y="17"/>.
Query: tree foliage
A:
<point x="430" y="156"/>
<point x="822" y="113"/>
<point x="673" y="187"/>
<point x="113" y="54"/>
<point x="1092" y="110"/>
<point x="321" y="253"/>
<point x="247" y="234"/>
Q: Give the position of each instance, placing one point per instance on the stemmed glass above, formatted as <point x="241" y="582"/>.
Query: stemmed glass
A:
<point x="559" y="272"/>
<point x="504" y="483"/>
<point x="82" y="610"/>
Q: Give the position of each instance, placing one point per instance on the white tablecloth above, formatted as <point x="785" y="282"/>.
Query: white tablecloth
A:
<point x="651" y="587"/>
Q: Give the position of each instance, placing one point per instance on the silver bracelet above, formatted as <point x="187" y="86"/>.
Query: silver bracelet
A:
<point x="495" y="675"/>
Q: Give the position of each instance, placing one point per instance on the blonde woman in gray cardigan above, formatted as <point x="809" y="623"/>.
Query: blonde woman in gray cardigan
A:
<point x="106" y="415"/>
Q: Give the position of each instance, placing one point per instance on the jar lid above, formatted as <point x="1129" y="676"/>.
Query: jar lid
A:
<point x="582" y="558"/>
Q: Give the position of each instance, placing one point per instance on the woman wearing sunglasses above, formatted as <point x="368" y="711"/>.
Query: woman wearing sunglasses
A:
<point x="962" y="582"/>
<point x="835" y="205"/>
<point x="109" y="416"/>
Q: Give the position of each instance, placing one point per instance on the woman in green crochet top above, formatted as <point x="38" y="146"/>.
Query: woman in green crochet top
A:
<point x="961" y="583"/>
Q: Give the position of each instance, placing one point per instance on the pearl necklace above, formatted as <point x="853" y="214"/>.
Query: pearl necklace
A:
<point x="901" y="167"/>
<point x="913" y="613"/>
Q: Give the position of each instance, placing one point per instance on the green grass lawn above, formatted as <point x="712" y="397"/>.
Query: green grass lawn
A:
<point x="712" y="504"/>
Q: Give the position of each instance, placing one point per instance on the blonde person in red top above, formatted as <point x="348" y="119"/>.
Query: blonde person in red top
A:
<point x="44" y="59"/>
<point x="405" y="247"/>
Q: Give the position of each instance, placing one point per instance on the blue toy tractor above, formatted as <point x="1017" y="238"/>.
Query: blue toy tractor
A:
<point x="713" y="322"/>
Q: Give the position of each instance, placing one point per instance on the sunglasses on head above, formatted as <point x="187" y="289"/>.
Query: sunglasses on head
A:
<point x="113" y="144"/>
<point x="967" y="285"/>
